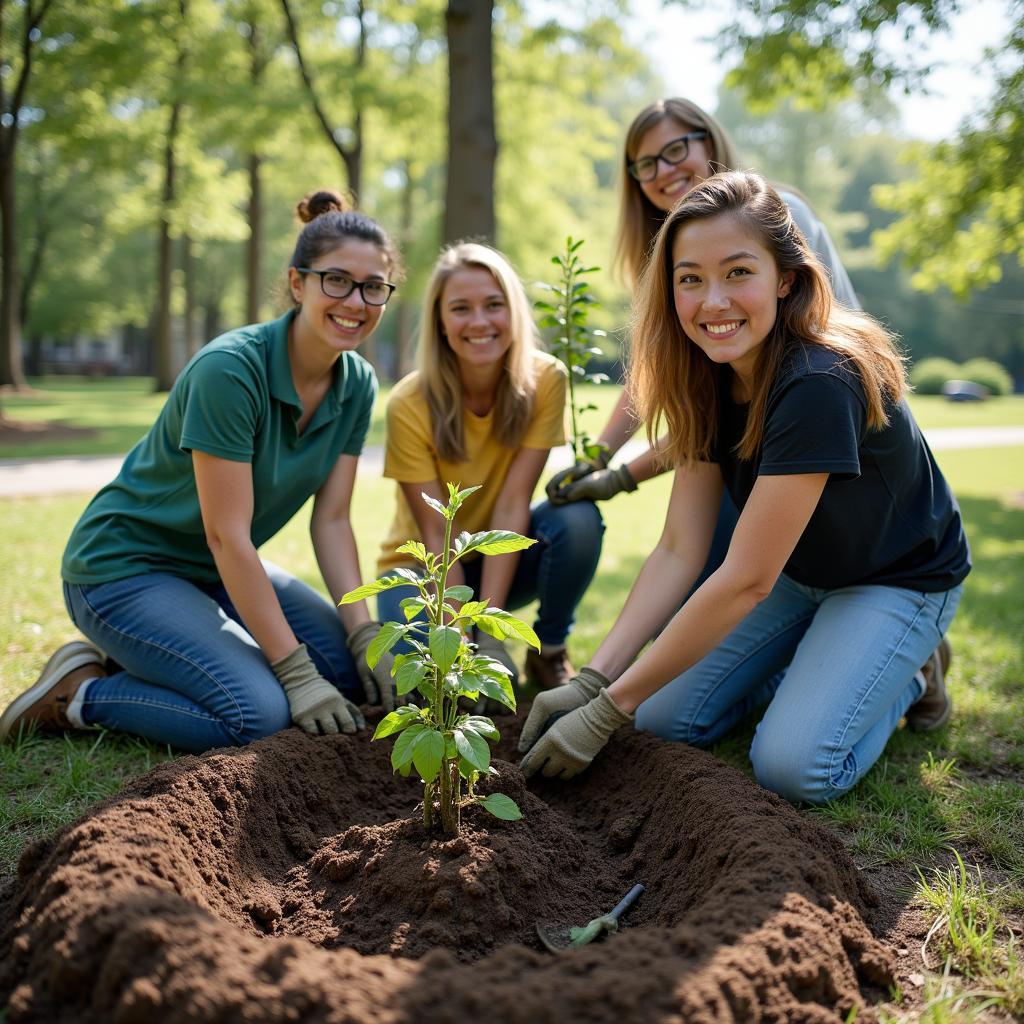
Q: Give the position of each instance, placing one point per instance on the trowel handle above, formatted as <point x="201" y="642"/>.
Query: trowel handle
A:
<point x="627" y="901"/>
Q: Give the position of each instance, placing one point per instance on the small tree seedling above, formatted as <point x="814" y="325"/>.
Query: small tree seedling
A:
<point x="572" y="340"/>
<point x="446" y="745"/>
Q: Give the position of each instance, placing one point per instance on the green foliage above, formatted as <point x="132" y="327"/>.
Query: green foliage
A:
<point x="928" y="375"/>
<point x="571" y="340"/>
<point x="444" y="744"/>
<point x="989" y="374"/>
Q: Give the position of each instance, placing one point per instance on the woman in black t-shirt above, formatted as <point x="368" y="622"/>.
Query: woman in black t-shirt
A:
<point x="846" y="565"/>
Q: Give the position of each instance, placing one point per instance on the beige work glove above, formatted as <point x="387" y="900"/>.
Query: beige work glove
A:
<point x="378" y="683"/>
<point x="316" y="706"/>
<point x="575" y="740"/>
<point x="597" y="486"/>
<point x="554" y="704"/>
<point x="556" y="486"/>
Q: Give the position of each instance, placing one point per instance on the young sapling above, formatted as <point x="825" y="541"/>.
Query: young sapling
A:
<point x="446" y="745"/>
<point x="567" y="316"/>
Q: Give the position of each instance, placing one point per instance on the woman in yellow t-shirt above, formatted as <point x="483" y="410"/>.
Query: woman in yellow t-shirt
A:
<point x="484" y="407"/>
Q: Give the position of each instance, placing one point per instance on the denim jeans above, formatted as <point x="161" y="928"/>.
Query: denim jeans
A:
<point x="556" y="571"/>
<point x="838" y="668"/>
<point x="189" y="673"/>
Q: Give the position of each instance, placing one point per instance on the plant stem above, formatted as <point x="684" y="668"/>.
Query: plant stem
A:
<point x="567" y="285"/>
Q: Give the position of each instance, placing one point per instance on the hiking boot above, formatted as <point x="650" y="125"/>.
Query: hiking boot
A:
<point x="933" y="708"/>
<point x="45" y="703"/>
<point x="548" y="671"/>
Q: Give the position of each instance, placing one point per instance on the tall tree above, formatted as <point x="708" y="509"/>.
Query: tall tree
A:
<point x="472" y="141"/>
<point x="15" y="73"/>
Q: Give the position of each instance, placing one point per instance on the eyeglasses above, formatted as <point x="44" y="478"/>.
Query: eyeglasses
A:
<point x="674" y="152"/>
<point x="337" y="285"/>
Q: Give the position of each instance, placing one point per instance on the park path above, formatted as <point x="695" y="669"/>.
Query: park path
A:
<point x="65" y="475"/>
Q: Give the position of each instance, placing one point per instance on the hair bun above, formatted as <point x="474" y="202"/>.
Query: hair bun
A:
<point x="320" y="202"/>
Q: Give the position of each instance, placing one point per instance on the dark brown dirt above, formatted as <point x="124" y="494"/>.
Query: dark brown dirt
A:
<point x="291" y="880"/>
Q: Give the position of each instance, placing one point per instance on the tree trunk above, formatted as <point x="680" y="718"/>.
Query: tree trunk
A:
<point x="472" y="143"/>
<point x="254" y="247"/>
<point x="188" y="262"/>
<point x="162" y="347"/>
<point x="406" y="311"/>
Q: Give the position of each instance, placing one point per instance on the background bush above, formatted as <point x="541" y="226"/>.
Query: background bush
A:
<point x="928" y="376"/>
<point x="988" y="373"/>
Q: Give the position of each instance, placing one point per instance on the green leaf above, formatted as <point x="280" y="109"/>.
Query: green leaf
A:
<point x="466" y="492"/>
<point x="412" y="606"/>
<point x="399" y="719"/>
<point x="389" y="635"/>
<point x="468" y="683"/>
<point x="471" y="608"/>
<point x="473" y="748"/>
<point x="479" y="724"/>
<point x="402" y="753"/>
<point x="370" y="589"/>
<point x="458" y="593"/>
<point x="510" y="625"/>
<point x="496" y="542"/>
<point x="501" y="806"/>
<point x="414" y="548"/>
<point x="444" y="647"/>
<point x="428" y="751"/>
<point x="409" y="676"/>
<point x="434" y="504"/>
<point x="499" y="687"/>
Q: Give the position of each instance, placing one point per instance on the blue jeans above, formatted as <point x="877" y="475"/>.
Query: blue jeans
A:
<point x="838" y="667"/>
<point x="556" y="571"/>
<point x="189" y="673"/>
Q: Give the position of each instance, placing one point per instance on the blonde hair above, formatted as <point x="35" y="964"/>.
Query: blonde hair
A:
<point x="439" y="367"/>
<point x="639" y="218"/>
<point x="670" y="377"/>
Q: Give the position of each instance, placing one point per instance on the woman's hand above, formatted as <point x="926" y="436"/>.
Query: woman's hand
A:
<point x="551" y="705"/>
<point x="316" y="706"/>
<point x="575" y="740"/>
<point x="378" y="683"/>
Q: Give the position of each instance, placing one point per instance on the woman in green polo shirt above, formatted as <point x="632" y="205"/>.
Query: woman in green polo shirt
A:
<point x="195" y="641"/>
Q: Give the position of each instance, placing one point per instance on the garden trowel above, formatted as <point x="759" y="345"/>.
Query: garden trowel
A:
<point x="557" y="939"/>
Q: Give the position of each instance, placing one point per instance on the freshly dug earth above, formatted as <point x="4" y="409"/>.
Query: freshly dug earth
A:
<point x="291" y="880"/>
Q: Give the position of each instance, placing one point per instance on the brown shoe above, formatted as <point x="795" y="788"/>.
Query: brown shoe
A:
<point x="45" y="703"/>
<point x="933" y="708"/>
<point x="548" y="671"/>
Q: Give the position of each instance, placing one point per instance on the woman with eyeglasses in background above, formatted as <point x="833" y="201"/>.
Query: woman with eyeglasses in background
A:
<point x="195" y="641"/>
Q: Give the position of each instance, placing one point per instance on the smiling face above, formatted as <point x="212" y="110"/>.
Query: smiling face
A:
<point x="338" y="325"/>
<point x="673" y="181"/>
<point x="475" y="317"/>
<point x="726" y="287"/>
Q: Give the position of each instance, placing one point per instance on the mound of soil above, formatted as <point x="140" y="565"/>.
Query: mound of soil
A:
<point x="291" y="880"/>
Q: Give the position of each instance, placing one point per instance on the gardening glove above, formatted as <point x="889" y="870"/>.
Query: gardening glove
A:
<point x="584" y="467"/>
<point x="378" y="683"/>
<point x="316" y="706"/>
<point x="574" y="741"/>
<point x="551" y="705"/>
<point x="597" y="486"/>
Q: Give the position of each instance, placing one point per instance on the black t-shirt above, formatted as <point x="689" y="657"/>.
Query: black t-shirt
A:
<point x="886" y="516"/>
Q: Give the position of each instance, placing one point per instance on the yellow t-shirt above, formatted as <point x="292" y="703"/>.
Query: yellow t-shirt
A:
<point x="410" y="456"/>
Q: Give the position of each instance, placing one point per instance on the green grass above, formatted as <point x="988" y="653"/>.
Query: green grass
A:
<point x="117" y="411"/>
<point x="960" y="788"/>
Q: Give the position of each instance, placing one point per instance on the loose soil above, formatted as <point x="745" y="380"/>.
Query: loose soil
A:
<point x="291" y="880"/>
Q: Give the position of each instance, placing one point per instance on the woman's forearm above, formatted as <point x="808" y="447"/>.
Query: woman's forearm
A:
<point x="498" y="571"/>
<point x="334" y="545"/>
<point x="648" y="465"/>
<point x="252" y="594"/>
<point x="621" y="425"/>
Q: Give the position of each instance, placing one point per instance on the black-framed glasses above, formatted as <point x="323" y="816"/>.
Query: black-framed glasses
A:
<point x="673" y="152"/>
<point x="336" y="285"/>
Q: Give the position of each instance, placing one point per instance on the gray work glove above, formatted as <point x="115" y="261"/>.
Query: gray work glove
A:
<point x="575" y="740"/>
<point x="554" y="704"/>
<point x="316" y="706"/>
<point x="597" y="486"/>
<point x="378" y="683"/>
<point x="555" y="487"/>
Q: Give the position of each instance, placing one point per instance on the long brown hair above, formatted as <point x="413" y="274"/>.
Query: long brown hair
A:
<point x="439" y="367"/>
<point x="639" y="218"/>
<point x="670" y="377"/>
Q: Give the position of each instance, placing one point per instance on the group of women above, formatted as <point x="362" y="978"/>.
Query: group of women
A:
<point x="812" y="554"/>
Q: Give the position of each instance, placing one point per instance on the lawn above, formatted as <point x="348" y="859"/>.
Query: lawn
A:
<point x="107" y="415"/>
<point x="961" y="789"/>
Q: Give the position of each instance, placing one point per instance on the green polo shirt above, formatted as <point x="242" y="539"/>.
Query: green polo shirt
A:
<point x="235" y="399"/>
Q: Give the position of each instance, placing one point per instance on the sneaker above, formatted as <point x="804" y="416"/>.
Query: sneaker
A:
<point x="548" y="671"/>
<point x="45" y="703"/>
<point x="933" y="708"/>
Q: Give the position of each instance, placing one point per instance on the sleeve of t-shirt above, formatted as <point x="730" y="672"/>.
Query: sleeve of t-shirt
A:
<point x="409" y="451"/>
<point x="823" y="247"/>
<point x="547" y="427"/>
<point x="814" y="426"/>
<point x="361" y="425"/>
<point x="221" y="408"/>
